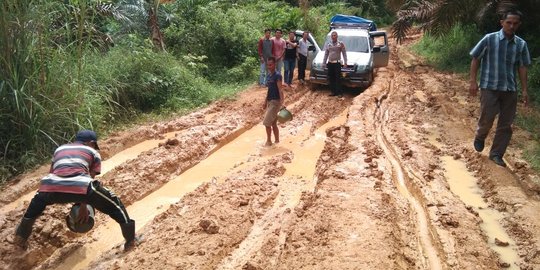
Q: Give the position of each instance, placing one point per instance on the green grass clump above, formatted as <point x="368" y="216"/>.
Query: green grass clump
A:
<point x="451" y="51"/>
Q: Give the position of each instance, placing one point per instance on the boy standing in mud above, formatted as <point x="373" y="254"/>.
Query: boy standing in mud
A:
<point x="499" y="54"/>
<point x="71" y="180"/>
<point x="273" y="101"/>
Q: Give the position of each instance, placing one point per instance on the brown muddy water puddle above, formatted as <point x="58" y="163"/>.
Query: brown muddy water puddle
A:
<point x="106" y="166"/>
<point x="234" y="155"/>
<point x="299" y="176"/>
<point x="463" y="184"/>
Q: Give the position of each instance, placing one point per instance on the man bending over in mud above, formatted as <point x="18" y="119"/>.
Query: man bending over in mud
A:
<point x="71" y="180"/>
<point x="273" y="102"/>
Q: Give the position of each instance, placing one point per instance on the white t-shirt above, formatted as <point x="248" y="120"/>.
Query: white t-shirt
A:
<point x="303" y="47"/>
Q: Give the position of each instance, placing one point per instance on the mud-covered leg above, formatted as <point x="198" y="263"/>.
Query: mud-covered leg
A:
<point x="128" y="231"/>
<point x="107" y="202"/>
<point x="24" y="229"/>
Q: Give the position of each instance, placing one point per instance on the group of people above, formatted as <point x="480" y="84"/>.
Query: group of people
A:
<point x="276" y="53"/>
<point x="285" y="52"/>
<point x="498" y="54"/>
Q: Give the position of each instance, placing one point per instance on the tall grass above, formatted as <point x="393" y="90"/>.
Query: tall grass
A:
<point x="59" y="73"/>
<point x="32" y="106"/>
<point x="55" y="81"/>
<point x="451" y="51"/>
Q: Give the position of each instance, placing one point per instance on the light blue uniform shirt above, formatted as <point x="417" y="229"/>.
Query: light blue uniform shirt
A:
<point x="500" y="58"/>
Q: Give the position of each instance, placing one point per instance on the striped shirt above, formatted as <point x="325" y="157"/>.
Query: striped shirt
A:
<point x="499" y="59"/>
<point x="70" y="169"/>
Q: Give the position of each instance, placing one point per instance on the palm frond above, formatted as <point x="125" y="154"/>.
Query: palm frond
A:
<point x="400" y="28"/>
<point x="417" y="11"/>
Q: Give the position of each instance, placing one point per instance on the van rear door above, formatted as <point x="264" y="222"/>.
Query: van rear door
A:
<point x="379" y="48"/>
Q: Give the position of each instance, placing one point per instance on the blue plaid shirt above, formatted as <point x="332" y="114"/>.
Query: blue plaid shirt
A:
<point x="500" y="58"/>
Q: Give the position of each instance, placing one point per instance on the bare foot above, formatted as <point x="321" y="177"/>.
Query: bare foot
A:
<point x="277" y="141"/>
<point x="268" y="143"/>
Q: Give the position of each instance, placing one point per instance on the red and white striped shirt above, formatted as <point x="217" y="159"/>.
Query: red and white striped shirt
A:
<point x="70" y="169"/>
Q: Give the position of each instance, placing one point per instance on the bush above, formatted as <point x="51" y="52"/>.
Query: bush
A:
<point x="534" y="82"/>
<point x="225" y="36"/>
<point x="454" y="58"/>
<point x="40" y="97"/>
<point x="142" y="80"/>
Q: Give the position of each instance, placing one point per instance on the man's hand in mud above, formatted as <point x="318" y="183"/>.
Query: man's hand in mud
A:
<point x="82" y="215"/>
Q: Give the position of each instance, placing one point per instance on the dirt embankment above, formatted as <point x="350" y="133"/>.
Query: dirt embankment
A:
<point x="355" y="183"/>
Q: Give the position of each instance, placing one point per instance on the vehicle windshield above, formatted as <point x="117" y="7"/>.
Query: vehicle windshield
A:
<point x="352" y="43"/>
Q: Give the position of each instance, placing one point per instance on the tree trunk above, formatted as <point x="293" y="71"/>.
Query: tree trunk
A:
<point x="156" y="35"/>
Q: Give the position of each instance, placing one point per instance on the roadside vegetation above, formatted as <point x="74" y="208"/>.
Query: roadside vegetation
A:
<point x="448" y="22"/>
<point x="68" y="65"/>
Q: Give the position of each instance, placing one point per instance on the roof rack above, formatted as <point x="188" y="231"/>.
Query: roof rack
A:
<point x="366" y="26"/>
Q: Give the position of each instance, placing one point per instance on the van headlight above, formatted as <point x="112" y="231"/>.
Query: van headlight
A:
<point x="360" y="68"/>
<point x="318" y="66"/>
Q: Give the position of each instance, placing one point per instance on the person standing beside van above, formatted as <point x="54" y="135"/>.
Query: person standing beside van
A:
<point x="265" y="51"/>
<point x="332" y="59"/>
<point x="290" y="58"/>
<point x="278" y="49"/>
<point x="303" y="46"/>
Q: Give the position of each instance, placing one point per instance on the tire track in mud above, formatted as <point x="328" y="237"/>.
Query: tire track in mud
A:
<point x="164" y="154"/>
<point x="298" y="178"/>
<point x="300" y="133"/>
<point x="430" y="246"/>
<point x="51" y="241"/>
<point x="157" y="201"/>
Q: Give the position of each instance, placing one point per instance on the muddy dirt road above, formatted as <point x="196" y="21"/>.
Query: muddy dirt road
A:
<point x="386" y="179"/>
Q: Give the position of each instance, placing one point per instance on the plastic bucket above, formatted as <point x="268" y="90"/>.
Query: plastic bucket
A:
<point x="284" y="115"/>
<point x="80" y="227"/>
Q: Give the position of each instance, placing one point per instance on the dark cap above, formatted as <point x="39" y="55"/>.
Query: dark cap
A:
<point x="87" y="136"/>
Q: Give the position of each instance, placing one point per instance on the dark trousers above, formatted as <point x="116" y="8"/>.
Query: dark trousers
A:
<point x="302" y="63"/>
<point x="334" y="72"/>
<point x="503" y="103"/>
<point x="97" y="196"/>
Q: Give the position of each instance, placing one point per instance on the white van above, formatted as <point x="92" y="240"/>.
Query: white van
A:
<point x="366" y="50"/>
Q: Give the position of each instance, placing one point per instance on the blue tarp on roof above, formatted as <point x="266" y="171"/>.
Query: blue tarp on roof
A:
<point x="352" y="20"/>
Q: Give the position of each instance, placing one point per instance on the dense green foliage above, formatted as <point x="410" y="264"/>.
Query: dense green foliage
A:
<point x="455" y="58"/>
<point x="67" y="65"/>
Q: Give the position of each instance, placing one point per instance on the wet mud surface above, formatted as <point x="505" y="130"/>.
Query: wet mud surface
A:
<point x="355" y="183"/>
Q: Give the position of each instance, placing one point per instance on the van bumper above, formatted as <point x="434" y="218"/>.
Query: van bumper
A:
<point x="348" y="79"/>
